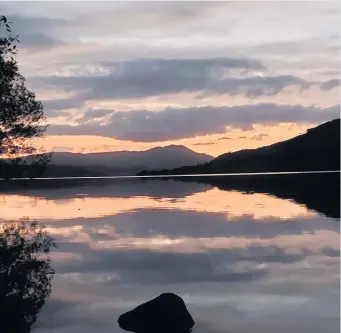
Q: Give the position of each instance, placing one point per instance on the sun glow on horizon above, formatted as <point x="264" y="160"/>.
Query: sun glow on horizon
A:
<point x="214" y="144"/>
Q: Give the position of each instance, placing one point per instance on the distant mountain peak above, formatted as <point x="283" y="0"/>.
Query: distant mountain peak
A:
<point x="171" y="156"/>
<point x="172" y="147"/>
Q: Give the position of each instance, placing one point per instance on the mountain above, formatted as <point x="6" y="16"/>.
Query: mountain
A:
<point x="318" y="149"/>
<point x="122" y="162"/>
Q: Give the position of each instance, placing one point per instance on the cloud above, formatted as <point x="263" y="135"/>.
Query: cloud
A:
<point x="93" y="114"/>
<point x="148" y="267"/>
<point x="331" y="252"/>
<point x="158" y="77"/>
<point x="61" y="149"/>
<point x="259" y="137"/>
<point x="172" y="123"/>
<point x="62" y="104"/>
<point x="330" y="84"/>
<point x="62" y="315"/>
<point x="188" y="226"/>
<point x="37" y="32"/>
<point x="143" y="78"/>
<point x="60" y="108"/>
<point x="207" y="77"/>
<point x="204" y="144"/>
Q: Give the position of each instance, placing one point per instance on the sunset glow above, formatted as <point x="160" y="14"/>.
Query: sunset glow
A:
<point x="202" y="82"/>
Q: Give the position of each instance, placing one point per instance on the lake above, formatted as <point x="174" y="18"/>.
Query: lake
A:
<point x="253" y="256"/>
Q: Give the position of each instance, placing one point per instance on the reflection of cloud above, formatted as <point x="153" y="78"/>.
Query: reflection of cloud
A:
<point x="180" y="224"/>
<point x="61" y="149"/>
<point x="234" y="204"/>
<point x="312" y="242"/>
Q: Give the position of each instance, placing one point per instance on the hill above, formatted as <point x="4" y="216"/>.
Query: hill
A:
<point x="318" y="149"/>
<point x="121" y="162"/>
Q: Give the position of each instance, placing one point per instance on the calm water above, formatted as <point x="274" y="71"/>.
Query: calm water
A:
<point x="243" y="262"/>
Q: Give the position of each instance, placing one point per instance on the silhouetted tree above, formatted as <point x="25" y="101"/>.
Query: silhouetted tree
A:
<point x="21" y="116"/>
<point x="25" y="274"/>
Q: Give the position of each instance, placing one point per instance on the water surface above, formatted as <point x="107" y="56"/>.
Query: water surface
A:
<point x="243" y="262"/>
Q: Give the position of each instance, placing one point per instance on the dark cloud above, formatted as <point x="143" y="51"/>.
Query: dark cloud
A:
<point x="331" y="252"/>
<point x="61" y="149"/>
<point x="255" y="86"/>
<point x="225" y="138"/>
<point x="80" y="316"/>
<point x="330" y="84"/>
<point x="38" y="41"/>
<point x="92" y="114"/>
<point x="152" y="267"/>
<point x="171" y="124"/>
<point x="37" y="32"/>
<point x="202" y="327"/>
<point x="204" y="143"/>
<point x="63" y="316"/>
<point x="153" y="78"/>
<point x="143" y="78"/>
<point x="149" y="267"/>
<point x="186" y="224"/>
<point x="61" y="105"/>
<point x="259" y="137"/>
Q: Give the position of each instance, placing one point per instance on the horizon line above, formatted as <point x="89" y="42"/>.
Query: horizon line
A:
<point x="185" y="175"/>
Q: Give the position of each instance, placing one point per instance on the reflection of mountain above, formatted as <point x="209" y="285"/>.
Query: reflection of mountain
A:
<point x="318" y="149"/>
<point x="59" y="189"/>
<point x="122" y="162"/>
<point x="320" y="192"/>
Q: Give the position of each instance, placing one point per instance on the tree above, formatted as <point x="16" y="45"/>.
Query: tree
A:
<point x="21" y="115"/>
<point x="25" y="274"/>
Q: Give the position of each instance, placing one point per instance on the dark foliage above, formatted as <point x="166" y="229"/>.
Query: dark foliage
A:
<point x="25" y="274"/>
<point x="21" y="115"/>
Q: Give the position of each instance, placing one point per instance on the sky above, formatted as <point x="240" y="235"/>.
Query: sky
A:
<point x="213" y="76"/>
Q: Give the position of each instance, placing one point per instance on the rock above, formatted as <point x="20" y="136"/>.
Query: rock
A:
<point x="166" y="313"/>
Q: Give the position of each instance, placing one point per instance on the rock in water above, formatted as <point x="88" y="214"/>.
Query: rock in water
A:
<point x="166" y="313"/>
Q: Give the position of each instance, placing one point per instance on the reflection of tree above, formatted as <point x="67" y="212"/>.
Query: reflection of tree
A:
<point x="25" y="274"/>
